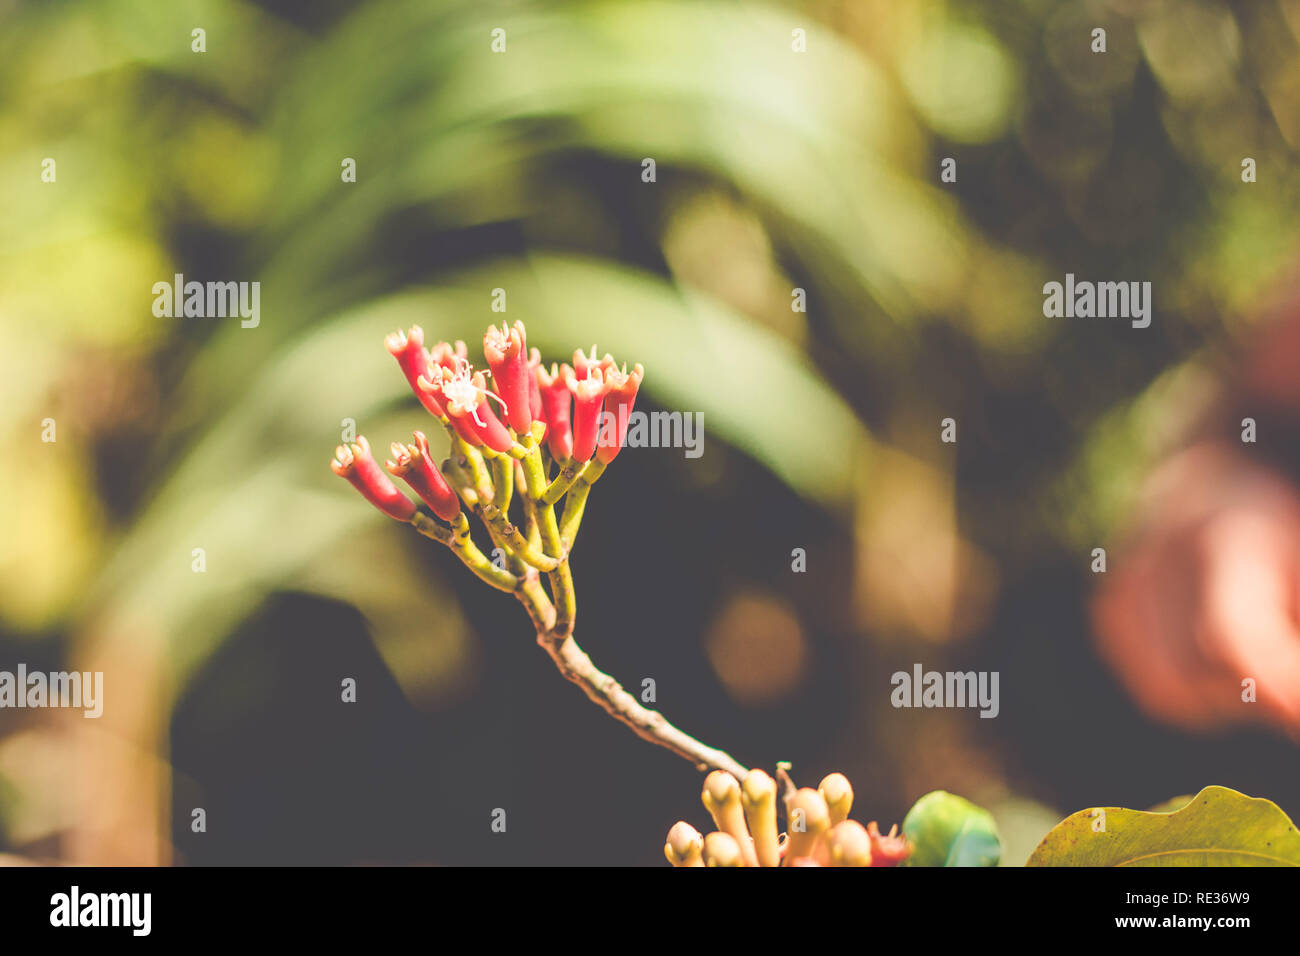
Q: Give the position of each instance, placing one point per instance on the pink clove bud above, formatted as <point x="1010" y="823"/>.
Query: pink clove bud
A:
<point x="467" y="405"/>
<point x="556" y="405"/>
<point x="449" y="356"/>
<point x="355" y="463"/>
<point x="408" y="348"/>
<point x="434" y="382"/>
<point x="414" y="465"/>
<point x="583" y="363"/>
<point x="506" y="351"/>
<point x="588" y="399"/>
<point x="619" y="403"/>
<point x="888" y="849"/>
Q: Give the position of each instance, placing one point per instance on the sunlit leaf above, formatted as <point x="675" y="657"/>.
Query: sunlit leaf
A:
<point x="1220" y="827"/>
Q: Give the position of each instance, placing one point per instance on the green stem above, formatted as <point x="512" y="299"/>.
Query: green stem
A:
<point x="457" y="537"/>
<point x="574" y="506"/>
<point x="562" y="591"/>
<point x="563" y="481"/>
<point x="576" y="503"/>
<point x="554" y="622"/>
<point x="534" y="475"/>
<point x="430" y="528"/>
<point x="517" y="565"/>
<point x="566" y="599"/>
<point x="461" y="480"/>
<point x="473" y="459"/>
<point x="532" y="528"/>
<point x="503" y="481"/>
<point x="502" y="528"/>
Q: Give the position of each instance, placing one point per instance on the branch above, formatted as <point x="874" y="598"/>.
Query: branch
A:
<point x="501" y="528"/>
<point x="457" y="538"/>
<point x="573" y="662"/>
<point x="552" y="617"/>
<point x="558" y="488"/>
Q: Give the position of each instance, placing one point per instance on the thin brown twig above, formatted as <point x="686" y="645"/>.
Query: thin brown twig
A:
<point x="574" y="663"/>
<point x="552" y="617"/>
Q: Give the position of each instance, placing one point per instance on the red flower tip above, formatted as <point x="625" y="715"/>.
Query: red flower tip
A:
<point x="623" y="385"/>
<point x="355" y="463"/>
<point x="414" y="465"/>
<point x="465" y="392"/>
<point x="448" y="356"/>
<point x="583" y="363"/>
<point x="434" y="382"/>
<point x="552" y="377"/>
<point x="619" y="402"/>
<point x="408" y="348"/>
<point x="397" y="342"/>
<point x="506" y="351"/>
<point x="589" y="387"/>
<point x="556" y="403"/>
<point x="588" y="398"/>
<point x="502" y="344"/>
<point x="887" y="849"/>
<point x="405" y="458"/>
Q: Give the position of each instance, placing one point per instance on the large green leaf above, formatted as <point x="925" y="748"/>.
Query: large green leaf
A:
<point x="948" y="830"/>
<point x="755" y="390"/>
<point x="1220" y="827"/>
<point x="459" y="139"/>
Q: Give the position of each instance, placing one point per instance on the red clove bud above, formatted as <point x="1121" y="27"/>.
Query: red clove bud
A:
<point x="355" y="463"/>
<point x="588" y="399"/>
<point x="888" y="849"/>
<point x="506" y="351"/>
<point x="413" y="464"/>
<point x="556" y="404"/>
<point x="619" y="402"/>
<point x="413" y="358"/>
<point x="467" y="401"/>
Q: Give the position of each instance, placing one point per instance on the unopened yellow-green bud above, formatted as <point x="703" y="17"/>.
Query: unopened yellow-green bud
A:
<point x="850" y="845"/>
<point x="722" y="849"/>
<point x="684" y="846"/>
<point x="809" y="820"/>
<point x="721" y="798"/>
<point x="758" y="795"/>
<point x="838" y="794"/>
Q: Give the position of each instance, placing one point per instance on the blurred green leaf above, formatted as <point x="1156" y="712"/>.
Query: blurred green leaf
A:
<point x="256" y="493"/>
<point x="463" y="138"/>
<point x="1220" y="827"/>
<point x="948" y="830"/>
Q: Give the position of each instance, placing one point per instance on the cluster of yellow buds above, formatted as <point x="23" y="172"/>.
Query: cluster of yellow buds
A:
<point x="819" y="832"/>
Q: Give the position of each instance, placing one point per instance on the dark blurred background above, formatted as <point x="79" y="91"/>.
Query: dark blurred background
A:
<point x="523" y="170"/>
